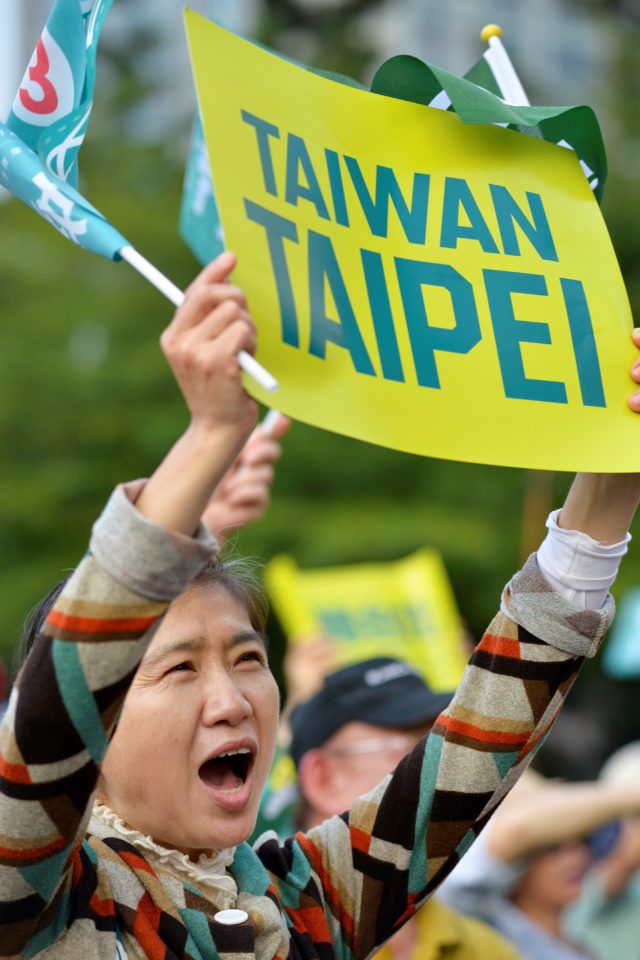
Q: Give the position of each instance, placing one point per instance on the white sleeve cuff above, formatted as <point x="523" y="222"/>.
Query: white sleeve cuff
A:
<point x="578" y="567"/>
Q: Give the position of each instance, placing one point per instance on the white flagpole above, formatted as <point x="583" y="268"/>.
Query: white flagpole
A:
<point x="502" y="68"/>
<point x="269" y="421"/>
<point x="248" y="363"/>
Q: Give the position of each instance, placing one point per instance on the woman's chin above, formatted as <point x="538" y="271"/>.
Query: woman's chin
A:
<point x="228" y="830"/>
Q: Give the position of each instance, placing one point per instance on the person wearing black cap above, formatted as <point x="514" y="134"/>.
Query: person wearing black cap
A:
<point x="356" y="728"/>
<point x="348" y="737"/>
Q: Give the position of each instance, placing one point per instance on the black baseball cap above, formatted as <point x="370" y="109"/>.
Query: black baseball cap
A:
<point x="380" y="691"/>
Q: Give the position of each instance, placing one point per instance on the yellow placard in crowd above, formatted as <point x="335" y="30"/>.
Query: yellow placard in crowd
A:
<point x="403" y="609"/>
<point x="432" y="286"/>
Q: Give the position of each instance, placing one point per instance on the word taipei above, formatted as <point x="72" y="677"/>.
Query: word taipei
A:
<point x="461" y="220"/>
<point x="377" y="621"/>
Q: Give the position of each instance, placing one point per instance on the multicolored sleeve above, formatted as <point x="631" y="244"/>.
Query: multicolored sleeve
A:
<point x="66" y="700"/>
<point x="356" y="878"/>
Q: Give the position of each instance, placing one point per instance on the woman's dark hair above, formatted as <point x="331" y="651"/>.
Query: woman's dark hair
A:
<point x="34" y="623"/>
<point x="237" y="575"/>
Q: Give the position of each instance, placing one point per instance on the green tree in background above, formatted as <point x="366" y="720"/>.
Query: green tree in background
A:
<point x="328" y="32"/>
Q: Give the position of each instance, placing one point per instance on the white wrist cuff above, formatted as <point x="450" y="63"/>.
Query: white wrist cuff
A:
<point x="578" y="567"/>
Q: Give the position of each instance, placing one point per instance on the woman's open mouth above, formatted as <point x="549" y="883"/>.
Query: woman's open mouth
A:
<point x="227" y="775"/>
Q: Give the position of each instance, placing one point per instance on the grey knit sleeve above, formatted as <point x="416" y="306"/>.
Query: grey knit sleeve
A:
<point x="142" y="555"/>
<point x="534" y="605"/>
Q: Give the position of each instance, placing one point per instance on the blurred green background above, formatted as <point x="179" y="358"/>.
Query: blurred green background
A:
<point x="86" y="399"/>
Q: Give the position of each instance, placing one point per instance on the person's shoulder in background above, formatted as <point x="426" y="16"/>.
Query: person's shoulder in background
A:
<point x="442" y="932"/>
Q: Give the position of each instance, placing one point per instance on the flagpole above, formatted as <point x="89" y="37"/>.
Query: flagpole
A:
<point x="502" y="68"/>
<point x="269" y="422"/>
<point x="168" y="289"/>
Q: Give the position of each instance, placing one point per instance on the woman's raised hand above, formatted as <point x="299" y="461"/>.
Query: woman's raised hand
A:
<point x="604" y="504"/>
<point x="634" y="399"/>
<point x="244" y="494"/>
<point x="201" y="345"/>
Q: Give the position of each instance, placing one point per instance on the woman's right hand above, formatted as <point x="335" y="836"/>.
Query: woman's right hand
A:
<point x="244" y="494"/>
<point x="603" y="505"/>
<point x="201" y="345"/>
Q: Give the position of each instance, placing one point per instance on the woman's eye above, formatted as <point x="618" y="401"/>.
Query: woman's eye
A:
<point x="185" y="665"/>
<point x="253" y="656"/>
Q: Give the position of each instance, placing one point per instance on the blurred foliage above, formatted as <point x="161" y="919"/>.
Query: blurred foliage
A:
<point x="323" y="31"/>
<point x="86" y="399"/>
<point x="627" y="10"/>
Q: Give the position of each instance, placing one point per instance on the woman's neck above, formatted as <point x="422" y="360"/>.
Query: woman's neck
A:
<point x="195" y="856"/>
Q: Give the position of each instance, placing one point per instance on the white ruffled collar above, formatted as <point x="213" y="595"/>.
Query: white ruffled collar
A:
<point x="210" y="871"/>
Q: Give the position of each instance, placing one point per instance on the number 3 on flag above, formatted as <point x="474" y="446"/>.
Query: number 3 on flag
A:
<point x="46" y="93"/>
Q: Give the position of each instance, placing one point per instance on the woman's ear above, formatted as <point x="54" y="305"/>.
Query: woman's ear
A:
<point x="317" y="778"/>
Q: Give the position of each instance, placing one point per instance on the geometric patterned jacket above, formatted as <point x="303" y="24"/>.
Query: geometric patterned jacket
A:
<point x="337" y="892"/>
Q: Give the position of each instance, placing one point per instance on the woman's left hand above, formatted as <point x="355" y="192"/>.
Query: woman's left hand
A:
<point x="634" y="399"/>
<point x="244" y="494"/>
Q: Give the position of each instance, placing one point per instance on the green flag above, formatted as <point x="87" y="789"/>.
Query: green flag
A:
<point x="475" y="98"/>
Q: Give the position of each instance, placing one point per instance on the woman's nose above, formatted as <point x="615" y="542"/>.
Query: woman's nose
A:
<point x="224" y="701"/>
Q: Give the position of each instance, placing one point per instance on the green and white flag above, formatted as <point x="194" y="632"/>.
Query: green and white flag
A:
<point x="24" y="175"/>
<point x="476" y="99"/>
<point x="51" y="111"/>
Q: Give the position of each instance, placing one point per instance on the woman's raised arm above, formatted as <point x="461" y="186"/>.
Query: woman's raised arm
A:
<point x="145" y="549"/>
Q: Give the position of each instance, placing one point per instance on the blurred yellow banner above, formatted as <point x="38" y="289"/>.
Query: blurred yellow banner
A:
<point x="403" y="609"/>
<point x="435" y="287"/>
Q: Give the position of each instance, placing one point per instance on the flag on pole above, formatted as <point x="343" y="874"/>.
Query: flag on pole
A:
<point x="496" y="73"/>
<point x="199" y="222"/>
<point x="40" y="142"/>
<point x="24" y="175"/>
<point x="476" y="98"/>
<point x="51" y="111"/>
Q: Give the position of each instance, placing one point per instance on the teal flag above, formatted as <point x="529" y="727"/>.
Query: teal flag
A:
<point x="475" y="98"/>
<point x="621" y="658"/>
<point x="24" y="175"/>
<point x="52" y="108"/>
<point x="199" y="223"/>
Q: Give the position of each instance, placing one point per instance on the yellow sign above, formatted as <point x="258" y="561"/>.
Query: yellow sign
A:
<point x="435" y="287"/>
<point x="404" y="609"/>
